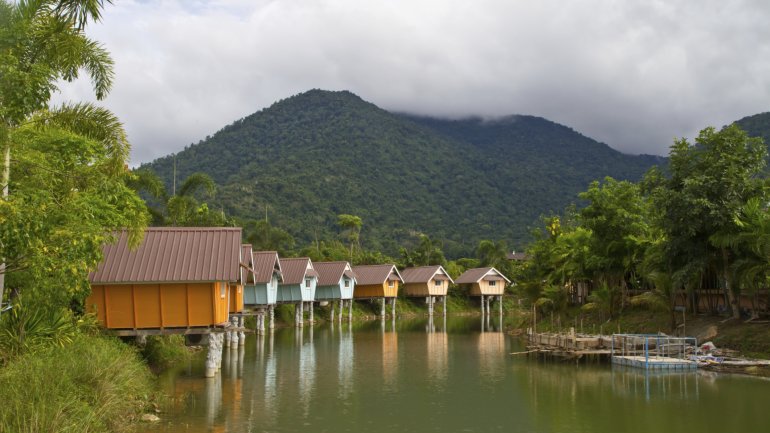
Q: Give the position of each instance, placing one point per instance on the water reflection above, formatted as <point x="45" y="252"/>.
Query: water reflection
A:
<point x="390" y="359"/>
<point x="345" y="362"/>
<point x="307" y="367"/>
<point x="635" y="382"/>
<point x="492" y="355"/>
<point x="437" y="345"/>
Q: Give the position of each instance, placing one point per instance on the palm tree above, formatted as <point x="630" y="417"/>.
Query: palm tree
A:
<point x="42" y="42"/>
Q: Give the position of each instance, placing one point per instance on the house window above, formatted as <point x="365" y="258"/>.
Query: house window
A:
<point x="391" y="284"/>
<point x="492" y="283"/>
<point x="307" y="282"/>
<point x="347" y="283"/>
<point x="438" y="283"/>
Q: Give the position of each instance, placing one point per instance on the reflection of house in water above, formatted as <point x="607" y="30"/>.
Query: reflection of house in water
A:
<point x="345" y="363"/>
<point x="491" y="354"/>
<point x="271" y="386"/>
<point x="438" y="355"/>
<point x="307" y="365"/>
<point x="389" y="358"/>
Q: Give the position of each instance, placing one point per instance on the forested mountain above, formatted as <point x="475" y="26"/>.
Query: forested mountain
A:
<point x="757" y="125"/>
<point x="318" y="154"/>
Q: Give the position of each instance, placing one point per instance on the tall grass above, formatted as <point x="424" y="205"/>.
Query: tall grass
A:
<point x="93" y="384"/>
<point x="164" y="351"/>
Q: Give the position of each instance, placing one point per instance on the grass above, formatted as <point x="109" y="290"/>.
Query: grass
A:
<point x="93" y="384"/>
<point x="164" y="351"/>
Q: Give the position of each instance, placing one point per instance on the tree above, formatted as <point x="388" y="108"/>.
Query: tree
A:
<point x="264" y="237"/>
<point x="710" y="182"/>
<point x="42" y="42"/>
<point x="351" y="224"/>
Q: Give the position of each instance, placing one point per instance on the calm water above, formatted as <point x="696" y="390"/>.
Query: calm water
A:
<point x="374" y="378"/>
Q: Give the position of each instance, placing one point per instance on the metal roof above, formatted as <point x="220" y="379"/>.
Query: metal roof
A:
<point x="266" y="263"/>
<point x="295" y="270"/>
<point x="424" y="274"/>
<point x="172" y="254"/>
<point x="476" y="274"/>
<point x="330" y="273"/>
<point x="375" y="274"/>
<point x="517" y="256"/>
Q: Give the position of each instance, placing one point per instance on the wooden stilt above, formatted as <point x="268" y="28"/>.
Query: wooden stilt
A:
<point x="443" y="307"/>
<point x="382" y="308"/>
<point x="350" y="311"/>
<point x="393" y="309"/>
<point x="482" y="305"/>
<point x="331" y="315"/>
<point x="500" y="304"/>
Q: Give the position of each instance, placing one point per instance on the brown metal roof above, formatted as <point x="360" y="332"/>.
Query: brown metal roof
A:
<point x="375" y="274"/>
<point x="266" y="263"/>
<point x="475" y="275"/>
<point x="295" y="270"/>
<point x="330" y="273"/>
<point x="424" y="274"/>
<point x="173" y="254"/>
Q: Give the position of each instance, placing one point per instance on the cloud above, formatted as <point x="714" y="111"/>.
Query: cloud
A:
<point x="634" y="74"/>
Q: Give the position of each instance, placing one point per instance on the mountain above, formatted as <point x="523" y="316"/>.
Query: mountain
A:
<point x="757" y="125"/>
<point x="318" y="154"/>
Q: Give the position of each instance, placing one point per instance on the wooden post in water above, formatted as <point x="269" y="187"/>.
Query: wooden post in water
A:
<point x="500" y="301"/>
<point x="429" y="301"/>
<point x="443" y="308"/>
<point x="489" y="305"/>
<point x="393" y="309"/>
<point x="331" y="315"/>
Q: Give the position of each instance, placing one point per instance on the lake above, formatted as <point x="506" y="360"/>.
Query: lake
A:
<point x="454" y="375"/>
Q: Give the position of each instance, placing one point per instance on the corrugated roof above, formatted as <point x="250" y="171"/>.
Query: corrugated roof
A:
<point x="294" y="270"/>
<point x="517" y="256"/>
<point x="423" y="274"/>
<point x="476" y="274"/>
<point x="265" y="264"/>
<point x="375" y="274"/>
<point x="173" y="254"/>
<point x="330" y="273"/>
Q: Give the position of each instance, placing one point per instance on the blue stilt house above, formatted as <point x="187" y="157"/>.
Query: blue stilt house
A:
<point x="299" y="281"/>
<point x="262" y="288"/>
<point x="336" y="281"/>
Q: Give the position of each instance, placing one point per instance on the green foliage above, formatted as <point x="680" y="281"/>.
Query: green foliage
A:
<point x="94" y="384"/>
<point x="317" y="155"/>
<point x="28" y="330"/>
<point x="164" y="351"/>
<point x="426" y="252"/>
<point x="264" y="237"/>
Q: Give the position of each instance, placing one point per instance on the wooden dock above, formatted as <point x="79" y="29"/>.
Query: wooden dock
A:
<point x="569" y="346"/>
<point x="655" y="363"/>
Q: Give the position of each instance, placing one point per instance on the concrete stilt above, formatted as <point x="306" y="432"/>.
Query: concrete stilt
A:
<point x="382" y="308"/>
<point x="489" y="304"/>
<point x="331" y="315"/>
<point x="500" y="304"/>
<point x="214" y="354"/>
<point x="310" y="306"/>
<point x="301" y="314"/>
<point x="234" y="335"/>
<point x="271" y="311"/>
<point x="443" y="307"/>
<point x="140" y="340"/>
<point x="350" y="311"/>
<point x="393" y="309"/>
<point x="482" y="305"/>
<point x="429" y="301"/>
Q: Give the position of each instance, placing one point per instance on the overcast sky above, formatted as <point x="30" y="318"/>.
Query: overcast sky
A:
<point x="633" y="74"/>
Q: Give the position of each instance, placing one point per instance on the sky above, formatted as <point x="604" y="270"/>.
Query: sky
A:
<point x="634" y="74"/>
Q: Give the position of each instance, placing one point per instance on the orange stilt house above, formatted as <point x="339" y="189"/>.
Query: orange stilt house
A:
<point x="176" y="278"/>
<point x="430" y="282"/>
<point x="378" y="281"/>
<point x="488" y="283"/>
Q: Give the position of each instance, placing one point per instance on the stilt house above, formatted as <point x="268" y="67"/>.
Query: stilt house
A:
<point x="336" y="281"/>
<point x="484" y="281"/>
<point x="263" y="288"/>
<point x="299" y="281"/>
<point x="177" y="278"/>
<point x="376" y="281"/>
<point x="425" y="281"/>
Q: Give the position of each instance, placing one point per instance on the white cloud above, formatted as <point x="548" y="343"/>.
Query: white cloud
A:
<point x="633" y="74"/>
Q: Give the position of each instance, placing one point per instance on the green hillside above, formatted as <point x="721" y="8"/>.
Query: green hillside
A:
<point x="318" y="154"/>
<point x="757" y="125"/>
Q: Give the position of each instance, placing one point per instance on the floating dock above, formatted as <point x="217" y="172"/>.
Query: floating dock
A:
<point x="654" y="351"/>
